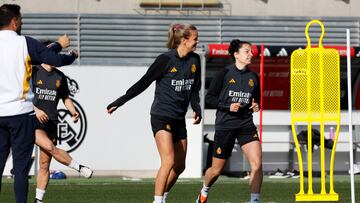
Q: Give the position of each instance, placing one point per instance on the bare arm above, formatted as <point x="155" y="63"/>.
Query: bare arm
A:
<point x="70" y="106"/>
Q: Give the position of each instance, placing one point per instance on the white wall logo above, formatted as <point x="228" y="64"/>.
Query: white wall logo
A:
<point x="70" y="134"/>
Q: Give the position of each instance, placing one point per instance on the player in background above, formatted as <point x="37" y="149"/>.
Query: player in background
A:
<point x="235" y="93"/>
<point x="177" y="76"/>
<point x="49" y="86"/>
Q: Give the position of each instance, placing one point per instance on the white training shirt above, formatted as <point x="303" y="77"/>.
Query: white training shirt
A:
<point x="15" y="75"/>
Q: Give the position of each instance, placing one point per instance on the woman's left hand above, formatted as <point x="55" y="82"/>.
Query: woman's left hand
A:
<point x="197" y="118"/>
<point x="254" y="106"/>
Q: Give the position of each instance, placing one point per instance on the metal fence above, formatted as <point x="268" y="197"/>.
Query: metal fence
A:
<point x="136" y="40"/>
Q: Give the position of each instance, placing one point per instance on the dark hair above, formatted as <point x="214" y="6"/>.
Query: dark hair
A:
<point x="178" y="31"/>
<point x="235" y="45"/>
<point x="7" y="13"/>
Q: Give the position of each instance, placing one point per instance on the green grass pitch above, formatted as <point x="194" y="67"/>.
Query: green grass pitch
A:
<point x="116" y="189"/>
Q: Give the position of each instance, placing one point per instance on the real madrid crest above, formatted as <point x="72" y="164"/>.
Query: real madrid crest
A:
<point x="218" y="150"/>
<point x="251" y="83"/>
<point x="57" y="83"/>
<point x="193" y="68"/>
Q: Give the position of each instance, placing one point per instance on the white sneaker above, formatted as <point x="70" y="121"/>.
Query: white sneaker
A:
<point x="85" y="171"/>
<point x="246" y="177"/>
<point x="356" y="169"/>
<point x="279" y="174"/>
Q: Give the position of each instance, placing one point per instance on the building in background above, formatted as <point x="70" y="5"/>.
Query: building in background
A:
<point x="118" y="39"/>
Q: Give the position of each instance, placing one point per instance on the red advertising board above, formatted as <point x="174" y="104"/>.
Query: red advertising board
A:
<point x="221" y="50"/>
<point x="276" y="91"/>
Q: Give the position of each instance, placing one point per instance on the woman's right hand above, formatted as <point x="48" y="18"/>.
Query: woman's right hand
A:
<point x="64" y="41"/>
<point x="41" y="115"/>
<point x="234" y="107"/>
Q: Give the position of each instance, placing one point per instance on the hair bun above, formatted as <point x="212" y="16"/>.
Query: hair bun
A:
<point x="234" y="46"/>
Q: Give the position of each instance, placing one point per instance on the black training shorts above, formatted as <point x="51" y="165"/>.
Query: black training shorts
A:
<point x="177" y="127"/>
<point x="224" y="141"/>
<point x="50" y="128"/>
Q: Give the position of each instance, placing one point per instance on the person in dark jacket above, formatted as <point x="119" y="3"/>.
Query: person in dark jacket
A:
<point x="177" y="76"/>
<point x="235" y="93"/>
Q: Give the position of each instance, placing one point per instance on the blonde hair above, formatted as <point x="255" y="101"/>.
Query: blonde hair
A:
<point x="178" y="31"/>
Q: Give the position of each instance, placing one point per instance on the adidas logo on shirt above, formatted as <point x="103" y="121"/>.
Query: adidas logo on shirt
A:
<point x="39" y="82"/>
<point x="232" y="81"/>
<point x="173" y="70"/>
